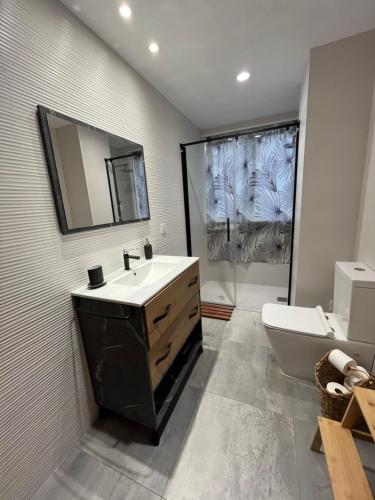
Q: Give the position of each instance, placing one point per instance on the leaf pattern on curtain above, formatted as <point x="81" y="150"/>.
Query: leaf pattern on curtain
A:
<point x="250" y="181"/>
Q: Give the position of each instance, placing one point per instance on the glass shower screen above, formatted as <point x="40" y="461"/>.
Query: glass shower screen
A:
<point x="217" y="276"/>
<point x="241" y="195"/>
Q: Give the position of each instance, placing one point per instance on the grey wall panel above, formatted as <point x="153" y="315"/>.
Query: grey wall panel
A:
<point x="335" y="128"/>
<point x="48" y="57"/>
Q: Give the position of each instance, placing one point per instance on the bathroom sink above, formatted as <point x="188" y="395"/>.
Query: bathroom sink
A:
<point x="145" y="279"/>
<point x="145" y="274"/>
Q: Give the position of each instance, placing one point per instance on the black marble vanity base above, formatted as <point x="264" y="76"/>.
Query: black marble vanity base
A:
<point x="168" y="392"/>
<point x="175" y="381"/>
<point x="118" y="358"/>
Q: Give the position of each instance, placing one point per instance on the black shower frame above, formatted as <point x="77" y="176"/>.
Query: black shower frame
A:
<point x="183" y="146"/>
<point x="108" y="161"/>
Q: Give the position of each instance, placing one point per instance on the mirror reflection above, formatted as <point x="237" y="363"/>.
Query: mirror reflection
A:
<point x="101" y="176"/>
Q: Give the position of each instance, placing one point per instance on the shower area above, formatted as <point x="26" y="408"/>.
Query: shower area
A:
<point x="239" y="194"/>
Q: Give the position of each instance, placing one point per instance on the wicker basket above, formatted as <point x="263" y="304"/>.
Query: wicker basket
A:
<point x="333" y="406"/>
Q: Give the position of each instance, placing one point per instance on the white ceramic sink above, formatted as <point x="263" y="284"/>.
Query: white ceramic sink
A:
<point x="144" y="280"/>
<point x="146" y="274"/>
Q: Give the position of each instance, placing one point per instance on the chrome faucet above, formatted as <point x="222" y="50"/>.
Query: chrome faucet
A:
<point x="127" y="257"/>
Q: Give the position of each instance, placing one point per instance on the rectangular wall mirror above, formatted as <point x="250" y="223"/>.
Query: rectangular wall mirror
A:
<point x="98" y="179"/>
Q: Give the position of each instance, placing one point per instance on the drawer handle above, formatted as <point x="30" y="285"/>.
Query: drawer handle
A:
<point x="194" y="281"/>
<point x="162" y="316"/>
<point x="194" y="312"/>
<point x="162" y="358"/>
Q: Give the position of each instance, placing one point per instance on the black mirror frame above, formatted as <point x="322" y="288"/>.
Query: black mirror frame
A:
<point x="42" y="112"/>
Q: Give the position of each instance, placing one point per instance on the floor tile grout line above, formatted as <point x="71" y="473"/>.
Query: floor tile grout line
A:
<point x="103" y="462"/>
<point x="205" y="390"/>
<point x="109" y="465"/>
<point x="195" y="411"/>
<point x="61" y="463"/>
<point x="249" y="404"/>
<point x="241" y="308"/>
<point x="295" y="454"/>
<point x="117" y="482"/>
<point x="222" y="336"/>
<point x="291" y="418"/>
<point x="185" y="435"/>
<point x="260" y="407"/>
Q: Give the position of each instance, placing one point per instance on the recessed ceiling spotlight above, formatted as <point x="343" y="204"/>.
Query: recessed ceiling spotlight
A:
<point x="257" y="135"/>
<point x="125" y="11"/>
<point x="153" y="47"/>
<point x="243" y="76"/>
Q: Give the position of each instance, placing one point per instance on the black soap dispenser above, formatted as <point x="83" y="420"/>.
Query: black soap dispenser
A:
<point x="148" y="249"/>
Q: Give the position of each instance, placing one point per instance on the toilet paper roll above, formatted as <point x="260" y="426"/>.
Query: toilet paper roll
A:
<point x="355" y="376"/>
<point x="350" y="381"/>
<point x="347" y="384"/>
<point x="341" y="361"/>
<point x="360" y="372"/>
<point x="335" y="388"/>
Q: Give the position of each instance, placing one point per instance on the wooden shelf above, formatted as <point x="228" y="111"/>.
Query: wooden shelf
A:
<point x="366" y="402"/>
<point x="345" y="469"/>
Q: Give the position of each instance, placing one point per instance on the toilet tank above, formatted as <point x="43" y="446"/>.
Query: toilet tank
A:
<point x="354" y="301"/>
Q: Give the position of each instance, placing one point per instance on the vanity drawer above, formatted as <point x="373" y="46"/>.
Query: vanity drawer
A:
<point x="164" y="308"/>
<point x="166" y="349"/>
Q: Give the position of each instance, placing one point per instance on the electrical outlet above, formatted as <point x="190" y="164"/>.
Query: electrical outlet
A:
<point x="163" y="229"/>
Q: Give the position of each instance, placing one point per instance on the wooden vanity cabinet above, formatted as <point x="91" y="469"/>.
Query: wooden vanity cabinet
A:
<point x="140" y="358"/>
<point x="168" y="304"/>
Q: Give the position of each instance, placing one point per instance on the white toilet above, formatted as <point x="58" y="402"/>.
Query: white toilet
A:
<point x="300" y="336"/>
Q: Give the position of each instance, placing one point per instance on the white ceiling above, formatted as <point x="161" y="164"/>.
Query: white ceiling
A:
<point x="205" y="43"/>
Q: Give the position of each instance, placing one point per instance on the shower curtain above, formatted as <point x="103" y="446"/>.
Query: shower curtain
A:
<point x="249" y="184"/>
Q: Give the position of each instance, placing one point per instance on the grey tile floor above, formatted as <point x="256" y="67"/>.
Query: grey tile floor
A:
<point x="241" y="430"/>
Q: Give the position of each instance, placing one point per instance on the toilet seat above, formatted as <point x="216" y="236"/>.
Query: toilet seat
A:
<point x="300" y="320"/>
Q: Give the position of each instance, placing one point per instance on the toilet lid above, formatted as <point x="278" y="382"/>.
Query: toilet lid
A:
<point x="305" y="320"/>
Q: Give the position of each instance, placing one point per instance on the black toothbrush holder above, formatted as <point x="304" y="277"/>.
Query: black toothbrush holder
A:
<point x="96" y="278"/>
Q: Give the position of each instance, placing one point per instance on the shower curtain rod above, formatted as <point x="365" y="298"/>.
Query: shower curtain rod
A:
<point x="294" y="123"/>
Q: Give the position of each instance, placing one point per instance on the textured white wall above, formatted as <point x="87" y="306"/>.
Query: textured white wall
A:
<point x="48" y="57"/>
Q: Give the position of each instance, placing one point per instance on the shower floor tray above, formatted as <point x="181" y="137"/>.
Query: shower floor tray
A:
<point x="249" y="296"/>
